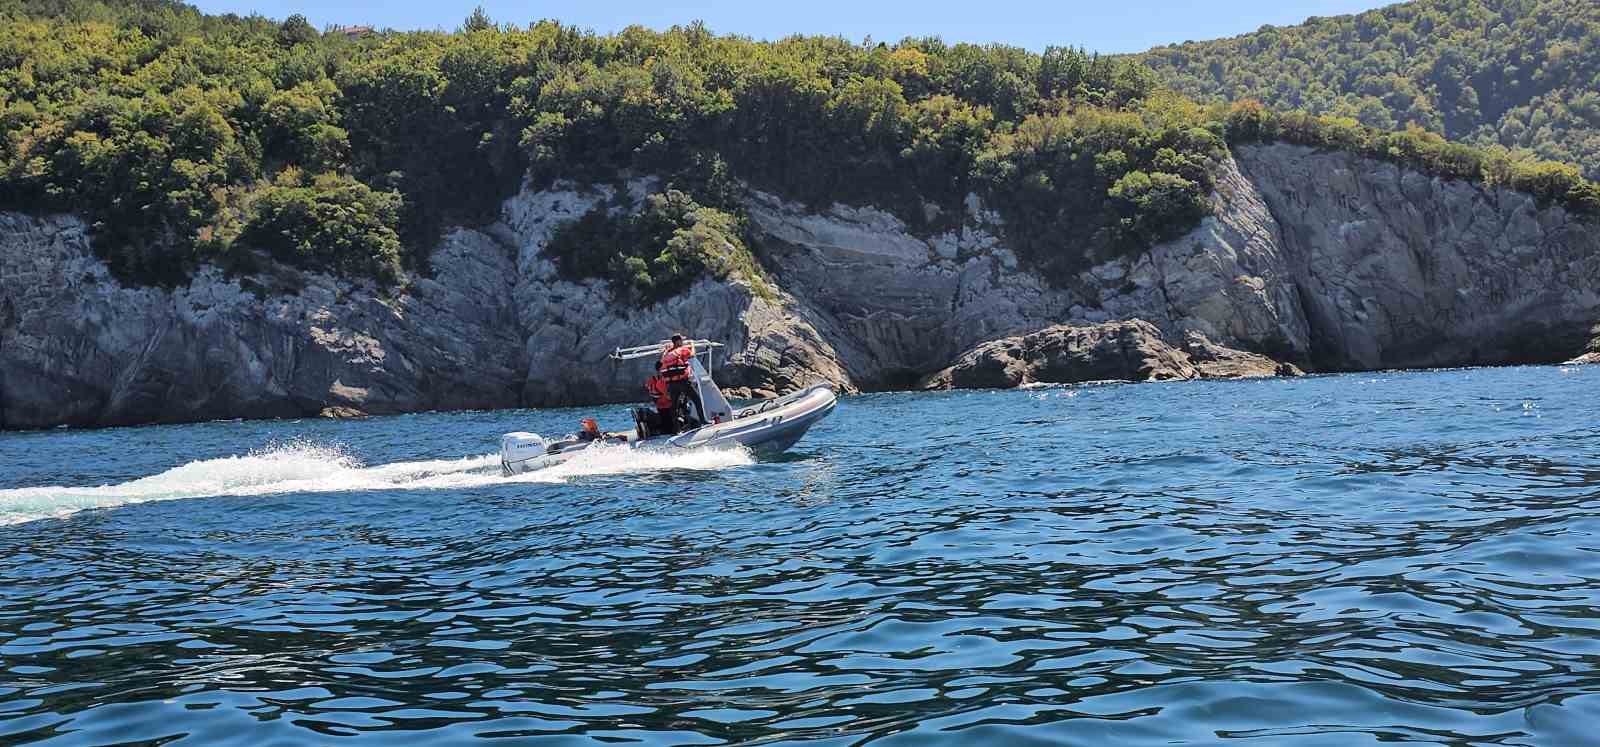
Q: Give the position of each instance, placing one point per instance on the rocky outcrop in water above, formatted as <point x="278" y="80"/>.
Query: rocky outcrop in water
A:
<point x="1133" y="350"/>
<point x="1591" y="354"/>
<point x="1215" y="361"/>
<point x="1313" y="258"/>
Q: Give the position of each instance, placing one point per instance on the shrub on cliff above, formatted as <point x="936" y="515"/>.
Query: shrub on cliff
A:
<point x="1416" y="148"/>
<point x="329" y="223"/>
<point x="1084" y="184"/>
<point x="657" y="252"/>
<point x="1156" y="207"/>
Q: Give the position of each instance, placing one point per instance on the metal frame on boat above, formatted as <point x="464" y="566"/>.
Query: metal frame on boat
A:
<point x="770" y="427"/>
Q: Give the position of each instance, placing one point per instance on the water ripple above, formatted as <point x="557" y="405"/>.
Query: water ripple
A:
<point x="1332" y="560"/>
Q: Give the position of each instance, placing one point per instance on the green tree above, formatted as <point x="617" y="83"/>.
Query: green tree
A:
<point x="1486" y="72"/>
<point x="296" y="30"/>
<point x="478" y="21"/>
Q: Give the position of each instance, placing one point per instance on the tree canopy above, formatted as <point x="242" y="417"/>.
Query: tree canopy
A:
<point x="188" y="138"/>
<point x="1520" y="74"/>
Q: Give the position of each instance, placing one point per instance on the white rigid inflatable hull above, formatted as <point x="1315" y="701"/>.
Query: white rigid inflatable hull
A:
<point x="764" y="427"/>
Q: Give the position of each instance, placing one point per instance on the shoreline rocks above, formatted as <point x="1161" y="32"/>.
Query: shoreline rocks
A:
<point x="1132" y="350"/>
<point x="1592" y="353"/>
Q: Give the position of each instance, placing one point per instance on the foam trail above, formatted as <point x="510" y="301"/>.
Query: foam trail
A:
<point x="311" y="468"/>
<point x="618" y="460"/>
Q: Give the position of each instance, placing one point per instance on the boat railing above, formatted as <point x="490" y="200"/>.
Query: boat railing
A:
<point x="645" y="351"/>
<point x="714" y="405"/>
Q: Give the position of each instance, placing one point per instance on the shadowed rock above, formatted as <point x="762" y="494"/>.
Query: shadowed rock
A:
<point x="79" y="348"/>
<point x="1218" y="362"/>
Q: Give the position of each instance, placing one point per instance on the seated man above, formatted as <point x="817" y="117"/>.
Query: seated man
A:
<point x="656" y="387"/>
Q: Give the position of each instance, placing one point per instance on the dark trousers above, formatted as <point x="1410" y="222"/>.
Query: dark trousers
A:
<point x="683" y="393"/>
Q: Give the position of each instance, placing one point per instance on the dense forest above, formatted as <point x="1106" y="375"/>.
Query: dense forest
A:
<point x="1515" y="73"/>
<point x="188" y="138"/>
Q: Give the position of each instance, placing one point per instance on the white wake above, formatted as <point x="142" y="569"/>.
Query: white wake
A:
<point x="312" y="468"/>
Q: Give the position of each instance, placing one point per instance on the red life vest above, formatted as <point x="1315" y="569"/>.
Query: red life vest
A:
<point x="657" y="388"/>
<point x="675" y="362"/>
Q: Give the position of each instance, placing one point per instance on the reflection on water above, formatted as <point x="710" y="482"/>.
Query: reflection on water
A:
<point x="1335" y="560"/>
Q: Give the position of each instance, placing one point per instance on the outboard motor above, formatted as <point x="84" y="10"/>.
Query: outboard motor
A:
<point x="647" y="423"/>
<point x="516" y="448"/>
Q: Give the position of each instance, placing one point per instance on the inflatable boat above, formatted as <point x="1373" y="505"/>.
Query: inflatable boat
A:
<point x="765" y="427"/>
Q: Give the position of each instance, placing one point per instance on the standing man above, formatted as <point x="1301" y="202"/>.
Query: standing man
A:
<point x="677" y="372"/>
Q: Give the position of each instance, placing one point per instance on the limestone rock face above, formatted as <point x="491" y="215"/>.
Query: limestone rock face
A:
<point x="1228" y="279"/>
<point x="1397" y="269"/>
<point x="897" y="305"/>
<point x="1317" y="259"/>
<point x="570" y="327"/>
<point x="79" y="348"/>
<point x="1339" y="262"/>
<point x="1132" y="350"/>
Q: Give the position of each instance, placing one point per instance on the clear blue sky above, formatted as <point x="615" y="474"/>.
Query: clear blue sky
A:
<point x="1101" y="25"/>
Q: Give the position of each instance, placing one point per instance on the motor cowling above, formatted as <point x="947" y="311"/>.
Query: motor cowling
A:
<point x="519" y="447"/>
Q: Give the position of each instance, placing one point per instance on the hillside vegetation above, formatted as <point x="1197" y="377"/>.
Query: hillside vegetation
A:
<point x="187" y="138"/>
<point x="1512" y="73"/>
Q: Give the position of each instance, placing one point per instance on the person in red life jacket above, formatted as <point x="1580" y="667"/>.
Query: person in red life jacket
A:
<point x="657" y="388"/>
<point x="677" y="372"/>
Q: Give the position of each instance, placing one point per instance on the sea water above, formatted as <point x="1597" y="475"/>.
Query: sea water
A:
<point x="1392" y="557"/>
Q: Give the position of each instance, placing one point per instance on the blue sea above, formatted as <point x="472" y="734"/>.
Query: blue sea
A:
<point x="1332" y="560"/>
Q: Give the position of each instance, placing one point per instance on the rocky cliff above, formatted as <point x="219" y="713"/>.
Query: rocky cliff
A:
<point x="1316" y="258"/>
<point x="78" y="348"/>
